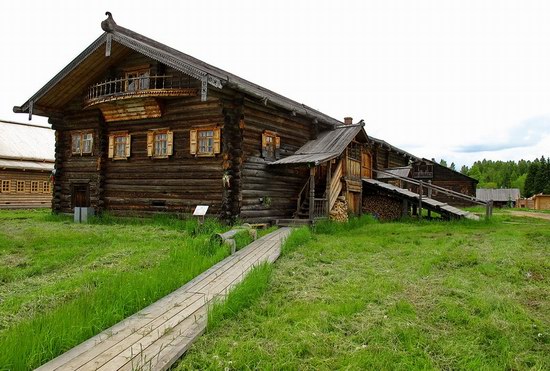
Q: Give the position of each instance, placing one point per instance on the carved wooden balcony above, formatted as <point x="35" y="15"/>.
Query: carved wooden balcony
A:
<point x="135" y="98"/>
<point x="138" y="87"/>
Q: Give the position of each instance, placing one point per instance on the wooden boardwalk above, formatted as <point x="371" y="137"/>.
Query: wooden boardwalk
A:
<point x="155" y="337"/>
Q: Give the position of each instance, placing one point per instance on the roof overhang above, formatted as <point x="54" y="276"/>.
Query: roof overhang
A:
<point x="117" y="42"/>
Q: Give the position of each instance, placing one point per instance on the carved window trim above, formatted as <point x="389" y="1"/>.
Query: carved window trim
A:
<point x="120" y="145"/>
<point x="82" y="142"/>
<point x="155" y="146"/>
<point x="205" y="141"/>
<point x="271" y="143"/>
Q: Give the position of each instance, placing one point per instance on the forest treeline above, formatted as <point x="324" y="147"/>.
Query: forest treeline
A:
<point x="531" y="177"/>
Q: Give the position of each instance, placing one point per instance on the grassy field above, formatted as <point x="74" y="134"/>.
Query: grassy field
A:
<point x="61" y="283"/>
<point x="409" y="295"/>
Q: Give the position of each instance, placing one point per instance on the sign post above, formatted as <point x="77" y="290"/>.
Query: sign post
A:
<point x="200" y="212"/>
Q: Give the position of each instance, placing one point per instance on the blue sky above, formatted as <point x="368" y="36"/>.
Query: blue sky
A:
<point x="460" y="80"/>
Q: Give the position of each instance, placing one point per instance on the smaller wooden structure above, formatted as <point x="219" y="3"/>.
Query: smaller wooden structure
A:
<point x="26" y="164"/>
<point x="442" y="176"/>
<point x="541" y="202"/>
<point x="505" y="197"/>
<point x="337" y="160"/>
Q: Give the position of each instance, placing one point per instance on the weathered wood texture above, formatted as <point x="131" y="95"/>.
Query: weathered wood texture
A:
<point x="384" y="158"/>
<point x="270" y="192"/>
<point x="158" y="335"/>
<point x="21" y="193"/>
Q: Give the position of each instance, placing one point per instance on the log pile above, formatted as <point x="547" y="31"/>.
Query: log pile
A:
<point x="383" y="208"/>
<point x="339" y="212"/>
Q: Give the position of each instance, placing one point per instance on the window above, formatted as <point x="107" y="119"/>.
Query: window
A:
<point x="20" y="186"/>
<point x="46" y="187"/>
<point x="5" y="186"/>
<point x="137" y="79"/>
<point x="34" y="186"/>
<point x="205" y="141"/>
<point x="271" y="143"/>
<point x="82" y="142"/>
<point x="160" y="143"/>
<point x="119" y="145"/>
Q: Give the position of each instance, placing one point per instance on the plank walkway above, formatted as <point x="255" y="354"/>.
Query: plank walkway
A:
<point x="155" y="337"/>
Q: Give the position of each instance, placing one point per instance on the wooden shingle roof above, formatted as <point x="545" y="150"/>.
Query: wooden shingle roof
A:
<point x="330" y="144"/>
<point x="92" y="63"/>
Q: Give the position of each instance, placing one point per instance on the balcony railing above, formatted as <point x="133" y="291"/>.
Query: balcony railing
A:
<point x="159" y="85"/>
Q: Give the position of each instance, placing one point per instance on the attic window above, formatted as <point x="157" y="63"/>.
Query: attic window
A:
<point x="271" y="143"/>
<point x="137" y="78"/>
<point x="82" y="142"/>
<point x="160" y="143"/>
<point x="119" y="145"/>
<point x="205" y="141"/>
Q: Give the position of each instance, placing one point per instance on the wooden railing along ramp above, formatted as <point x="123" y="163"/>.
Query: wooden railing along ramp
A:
<point x="155" y="337"/>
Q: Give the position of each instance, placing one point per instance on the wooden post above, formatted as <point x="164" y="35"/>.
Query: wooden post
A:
<point x="489" y="209"/>
<point x="405" y="208"/>
<point x="328" y="190"/>
<point x="420" y="191"/>
<point x="429" y="196"/>
<point x="311" y="192"/>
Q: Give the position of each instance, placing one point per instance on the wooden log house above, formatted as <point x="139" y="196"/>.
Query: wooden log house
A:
<point x="26" y="163"/>
<point x="143" y="128"/>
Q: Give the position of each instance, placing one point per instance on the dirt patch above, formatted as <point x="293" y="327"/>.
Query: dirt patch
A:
<point x="531" y="214"/>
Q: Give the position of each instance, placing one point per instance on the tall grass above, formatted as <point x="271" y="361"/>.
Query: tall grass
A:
<point x="241" y="297"/>
<point x="107" y="296"/>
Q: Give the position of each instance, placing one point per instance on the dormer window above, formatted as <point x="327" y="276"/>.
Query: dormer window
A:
<point x="137" y="78"/>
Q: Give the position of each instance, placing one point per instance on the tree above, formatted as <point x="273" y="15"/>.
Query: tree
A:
<point x="442" y="162"/>
<point x="464" y="170"/>
<point x="453" y="166"/>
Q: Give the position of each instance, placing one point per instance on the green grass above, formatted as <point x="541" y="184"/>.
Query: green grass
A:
<point x="62" y="283"/>
<point x="408" y="295"/>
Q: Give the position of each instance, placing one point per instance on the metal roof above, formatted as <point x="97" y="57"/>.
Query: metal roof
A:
<point x="26" y="165"/>
<point x="403" y="171"/>
<point x="502" y="195"/>
<point x="24" y="143"/>
<point x="330" y="144"/>
<point x="91" y="64"/>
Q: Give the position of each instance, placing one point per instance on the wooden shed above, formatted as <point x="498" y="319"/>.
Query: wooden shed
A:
<point x="143" y="128"/>
<point x="26" y="164"/>
<point x="541" y="202"/>
<point x="501" y="197"/>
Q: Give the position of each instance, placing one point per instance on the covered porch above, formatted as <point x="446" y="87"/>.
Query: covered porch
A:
<point x="337" y="160"/>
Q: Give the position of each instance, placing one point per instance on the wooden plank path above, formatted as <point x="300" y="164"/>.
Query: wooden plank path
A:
<point x="155" y="337"/>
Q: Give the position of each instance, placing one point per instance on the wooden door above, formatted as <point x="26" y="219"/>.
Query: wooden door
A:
<point x="81" y="195"/>
<point x="366" y="165"/>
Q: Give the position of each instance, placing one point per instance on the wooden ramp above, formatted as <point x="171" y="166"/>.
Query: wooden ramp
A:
<point x="155" y="337"/>
<point x="444" y="209"/>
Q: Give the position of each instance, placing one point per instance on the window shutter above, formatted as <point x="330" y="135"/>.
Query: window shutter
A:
<point x="150" y="141"/>
<point x="277" y="146"/>
<point x="128" y="145"/>
<point x="169" y="143"/>
<point x="193" y="141"/>
<point x="217" y="140"/>
<point x="264" y="145"/>
<point x="111" y="146"/>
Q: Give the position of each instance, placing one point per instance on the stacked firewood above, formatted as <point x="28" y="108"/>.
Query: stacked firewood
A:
<point x="339" y="211"/>
<point x="383" y="208"/>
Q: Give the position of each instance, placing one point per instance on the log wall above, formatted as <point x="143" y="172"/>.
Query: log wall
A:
<point x="22" y="199"/>
<point x="277" y="186"/>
